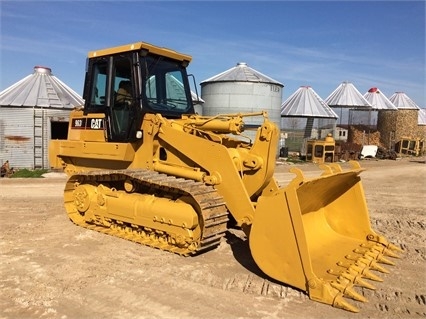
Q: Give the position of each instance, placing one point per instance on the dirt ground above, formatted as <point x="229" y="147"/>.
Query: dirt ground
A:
<point x="51" y="268"/>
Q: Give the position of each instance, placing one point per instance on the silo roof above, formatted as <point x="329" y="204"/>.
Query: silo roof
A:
<point x="305" y="102"/>
<point x="40" y="89"/>
<point x="403" y="102"/>
<point x="422" y="117"/>
<point x="378" y="100"/>
<point x="242" y="73"/>
<point x="346" y="95"/>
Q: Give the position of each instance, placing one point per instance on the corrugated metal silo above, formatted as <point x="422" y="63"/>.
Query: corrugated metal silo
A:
<point x="242" y="89"/>
<point x="33" y="111"/>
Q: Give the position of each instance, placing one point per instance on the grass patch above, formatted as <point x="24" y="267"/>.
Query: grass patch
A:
<point x="26" y="173"/>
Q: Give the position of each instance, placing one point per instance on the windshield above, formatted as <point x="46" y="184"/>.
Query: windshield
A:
<point x="165" y="85"/>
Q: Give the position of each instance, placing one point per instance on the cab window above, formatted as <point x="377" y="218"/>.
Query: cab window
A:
<point x="99" y="84"/>
<point x="165" y="83"/>
<point x="122" y="82"/>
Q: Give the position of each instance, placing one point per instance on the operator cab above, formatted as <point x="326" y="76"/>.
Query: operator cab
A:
<point x="125" y="84"/>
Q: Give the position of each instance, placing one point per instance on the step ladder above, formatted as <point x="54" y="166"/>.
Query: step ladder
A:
<point x="38" y="116"/>
<point x="309" y="127"/>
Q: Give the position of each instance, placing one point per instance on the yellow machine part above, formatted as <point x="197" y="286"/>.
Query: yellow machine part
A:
<point x="160" y="211"/>
<point x="170" y="181"/>
<point x="321" y="151"/>
<point x="315" y="235"/>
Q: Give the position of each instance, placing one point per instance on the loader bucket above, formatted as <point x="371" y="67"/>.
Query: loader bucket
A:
<point x="315" y="235"/>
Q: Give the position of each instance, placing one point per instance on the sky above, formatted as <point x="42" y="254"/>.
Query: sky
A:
<point x="297" y="43"/>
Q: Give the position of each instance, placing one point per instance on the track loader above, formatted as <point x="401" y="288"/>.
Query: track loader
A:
<point x="143" y="166"/>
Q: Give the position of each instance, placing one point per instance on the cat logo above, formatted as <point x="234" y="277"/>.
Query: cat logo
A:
<point x="96" y="124"/>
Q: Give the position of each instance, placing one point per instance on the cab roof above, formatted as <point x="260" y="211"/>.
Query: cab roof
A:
<point x="137" y="46"/>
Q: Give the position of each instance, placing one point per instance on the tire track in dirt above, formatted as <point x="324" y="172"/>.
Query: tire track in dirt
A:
<point x="86" y="274"/>
<point x="387" y="300"/>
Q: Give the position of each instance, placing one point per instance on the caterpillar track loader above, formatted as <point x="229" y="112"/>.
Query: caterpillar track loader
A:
<point x="143" y="166"/>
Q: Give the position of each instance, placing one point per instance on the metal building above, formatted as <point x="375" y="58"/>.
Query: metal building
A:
<point x="350" y="101"/>
<point x="305" y="115"/>
<point x="378" y="100"/>
<point x="242" y="89"/>
<point x="33" y="111"/>
<point x="305" y="102"/>
<point x="380" y="104"/>
<point x="403" y="102"/>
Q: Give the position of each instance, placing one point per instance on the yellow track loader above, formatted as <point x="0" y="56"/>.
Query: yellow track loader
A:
<point x="143" y="166"/>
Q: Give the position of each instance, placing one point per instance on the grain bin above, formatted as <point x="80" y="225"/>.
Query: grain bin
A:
<point x="33" y="111"/>
<point x="242" y="89"/>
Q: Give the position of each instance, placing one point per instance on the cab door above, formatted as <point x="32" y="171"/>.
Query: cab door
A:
<point x="111" y="90"/>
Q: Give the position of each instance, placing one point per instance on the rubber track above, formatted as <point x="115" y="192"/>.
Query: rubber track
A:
<point x="214" y="212"/>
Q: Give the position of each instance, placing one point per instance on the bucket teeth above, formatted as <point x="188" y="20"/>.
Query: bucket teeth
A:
<point x="368" y="261"/>
<point x="382" y="245"/>
<point x="374" y="266"/>
<point x="395" y="248"/>
<point x="369" y="275"/>
<point x="351" y="293"/>
<point x="366" y="252"/>
<point x="358" y="266"/>
<point x="385" y="250"/>
<point x="340" y="302"/>
<point x="347" y="291"/>
<point x="357" y="280"/>
<point x="363" y="283"/>
<point x="361" y="270"/>
<point x="390" y="253"/>
<point x="384" y="260"/>
<point x="374" y="255"/>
